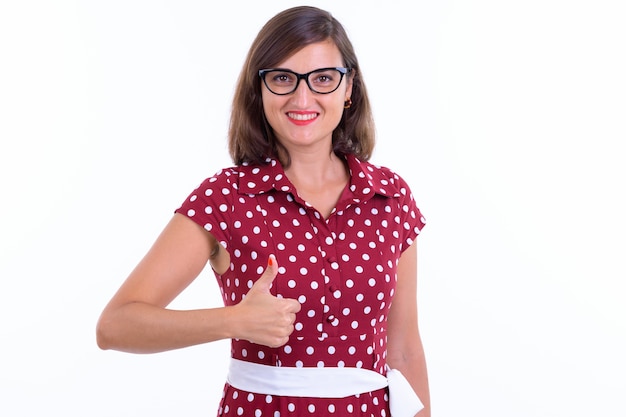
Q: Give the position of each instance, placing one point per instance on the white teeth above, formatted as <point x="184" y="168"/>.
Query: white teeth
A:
<point x="297" y="116"/>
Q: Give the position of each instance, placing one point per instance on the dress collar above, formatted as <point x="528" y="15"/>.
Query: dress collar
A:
<point x="366" y="180"/>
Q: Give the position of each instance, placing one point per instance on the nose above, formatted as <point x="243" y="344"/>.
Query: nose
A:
<point x="303" y="94"/>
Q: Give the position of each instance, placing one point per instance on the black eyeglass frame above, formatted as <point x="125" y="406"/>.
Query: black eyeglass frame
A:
<point x="343" y="71"/>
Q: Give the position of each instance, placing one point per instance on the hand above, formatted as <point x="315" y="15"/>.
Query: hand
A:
<point x="264" y="318"/>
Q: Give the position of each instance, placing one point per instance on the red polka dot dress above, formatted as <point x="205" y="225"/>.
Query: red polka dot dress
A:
<point x="341" y="269"/>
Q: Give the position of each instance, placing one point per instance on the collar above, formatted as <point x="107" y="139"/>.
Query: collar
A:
<point x="366" y="179"/>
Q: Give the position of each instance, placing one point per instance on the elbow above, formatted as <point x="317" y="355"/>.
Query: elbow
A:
<point x="103" y="334"/>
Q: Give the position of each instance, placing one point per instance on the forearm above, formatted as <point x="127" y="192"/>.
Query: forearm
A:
<point x="412" y="364"/>
<point x="143" y="328"/>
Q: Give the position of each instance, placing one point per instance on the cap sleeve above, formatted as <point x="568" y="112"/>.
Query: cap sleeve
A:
<point x="210" y="205"/>
<point x="411" y="217"/>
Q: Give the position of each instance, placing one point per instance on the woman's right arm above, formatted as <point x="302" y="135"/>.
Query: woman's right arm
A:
<point x="136" y="318"/>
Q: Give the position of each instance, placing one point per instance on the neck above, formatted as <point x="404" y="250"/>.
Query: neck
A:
<point x="319" y="180"/>
<point x="316" y="169"/>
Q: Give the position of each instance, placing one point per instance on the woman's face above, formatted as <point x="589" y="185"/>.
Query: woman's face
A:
<point x="304" y="118"/>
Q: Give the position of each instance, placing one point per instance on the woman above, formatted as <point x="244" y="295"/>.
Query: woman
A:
<point x="309" y="242"/>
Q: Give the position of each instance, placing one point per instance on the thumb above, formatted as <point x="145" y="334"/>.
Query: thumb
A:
<point x="264" y="283"/>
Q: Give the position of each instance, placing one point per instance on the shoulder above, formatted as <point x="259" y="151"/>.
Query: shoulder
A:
<point x="384" y="179"/>
<point x="222" y="181"/>
<point x="224" y="175"/>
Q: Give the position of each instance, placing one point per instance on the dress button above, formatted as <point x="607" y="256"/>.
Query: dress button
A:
<point x="330" y="318"/>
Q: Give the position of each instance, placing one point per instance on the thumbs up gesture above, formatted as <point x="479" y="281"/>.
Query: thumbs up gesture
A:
<point x="263" y="318"/>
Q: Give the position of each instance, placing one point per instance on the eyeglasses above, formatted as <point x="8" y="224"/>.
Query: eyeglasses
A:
<point x="322" y="81"/>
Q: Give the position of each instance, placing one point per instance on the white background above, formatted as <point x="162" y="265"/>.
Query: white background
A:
<point x="506" y="117"/>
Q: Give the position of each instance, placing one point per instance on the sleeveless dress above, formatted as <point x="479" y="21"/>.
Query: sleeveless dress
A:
<point x="341" y="269"/>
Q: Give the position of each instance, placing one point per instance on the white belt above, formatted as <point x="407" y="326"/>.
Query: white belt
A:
<point x="324" y="383"/>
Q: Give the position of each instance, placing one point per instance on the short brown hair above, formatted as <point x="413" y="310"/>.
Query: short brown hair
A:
<point x="250" y="137"/>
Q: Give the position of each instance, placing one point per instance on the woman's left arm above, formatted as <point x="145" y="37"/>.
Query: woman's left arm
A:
<point x="405" y="351"/>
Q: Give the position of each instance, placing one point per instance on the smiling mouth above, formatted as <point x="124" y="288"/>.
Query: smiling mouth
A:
<point x="302" y="116"/>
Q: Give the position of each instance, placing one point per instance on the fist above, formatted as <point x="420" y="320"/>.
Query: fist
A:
<point x="265" y="319"/>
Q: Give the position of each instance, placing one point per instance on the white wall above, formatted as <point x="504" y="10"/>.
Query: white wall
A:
<point x="507" y="118"/>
